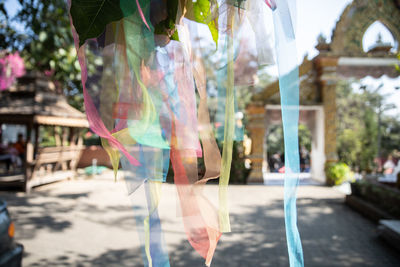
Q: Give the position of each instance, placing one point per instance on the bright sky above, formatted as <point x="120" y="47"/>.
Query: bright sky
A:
<point x="11" y="6"/>
<point x="388" y="90"/>
<point x="315" y="17"/>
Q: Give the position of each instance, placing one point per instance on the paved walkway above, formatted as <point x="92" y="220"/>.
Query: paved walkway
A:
<point x="90" y="223"/>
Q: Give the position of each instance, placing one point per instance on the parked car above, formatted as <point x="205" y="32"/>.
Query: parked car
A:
<point x="10" y="251"/>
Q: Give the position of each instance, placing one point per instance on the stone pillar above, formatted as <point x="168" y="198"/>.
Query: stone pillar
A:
<point x="317" y="126"/>
<point x="326" y="67"/>
<point x="256" y="128"/>
<point x="329" y="91"/>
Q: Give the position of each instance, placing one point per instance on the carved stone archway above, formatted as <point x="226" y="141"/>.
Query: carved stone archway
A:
<point x="356" y="19"/>
<point x="343" y="58"/>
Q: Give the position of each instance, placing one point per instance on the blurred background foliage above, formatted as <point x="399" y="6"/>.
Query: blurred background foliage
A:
<point x="337" y="173"/>
<point x="358" y="124"/>
<point x="40" y="31"/>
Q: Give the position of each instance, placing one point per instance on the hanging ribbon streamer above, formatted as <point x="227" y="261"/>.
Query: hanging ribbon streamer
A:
<point x="229" y="130"/>
<point x="148" y="113"/>
<point x="285" y="45"/>
<point x="256" y="14"/>
<point x="271" y="4"/>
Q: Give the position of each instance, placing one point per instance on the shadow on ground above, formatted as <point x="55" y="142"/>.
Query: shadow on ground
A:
<point x="332" y="234"/>
<point x="111" y="258"/>
<point x="42" y="210"/>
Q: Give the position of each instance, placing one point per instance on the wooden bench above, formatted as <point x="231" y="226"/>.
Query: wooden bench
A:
<point x="51" y="164"/>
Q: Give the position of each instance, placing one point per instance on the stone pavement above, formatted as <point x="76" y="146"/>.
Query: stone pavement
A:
<point x="90" y="223"/>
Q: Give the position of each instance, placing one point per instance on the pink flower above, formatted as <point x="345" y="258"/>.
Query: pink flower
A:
<point x="49" y="73"/>
<point x="11" y="67"/>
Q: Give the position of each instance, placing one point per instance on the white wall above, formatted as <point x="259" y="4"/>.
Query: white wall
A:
<point x="10" y="132"/>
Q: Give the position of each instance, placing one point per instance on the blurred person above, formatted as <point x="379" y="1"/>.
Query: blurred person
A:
<point x="396" y="170"/>
<point x="15" y="156"/>
<point x="5" y="156"/>
<point x="276" y="162"/>
<point x="10" y="155"/>
<point x="304" y="160"/>
<point x="20" y="146"/>
<point x="389" y="165"/>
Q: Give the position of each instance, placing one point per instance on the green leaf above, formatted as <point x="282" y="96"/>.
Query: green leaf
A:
<point x="175" y="36"/>
<point x="90" y="17"/>
<point x="201" y="11"/>
<point x="167" y="26"/>
<point x="214" y="31"/>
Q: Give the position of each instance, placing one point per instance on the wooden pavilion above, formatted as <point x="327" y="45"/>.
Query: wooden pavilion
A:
<point x="34" y="104"/>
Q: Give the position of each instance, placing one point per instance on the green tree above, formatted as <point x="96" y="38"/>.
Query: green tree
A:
<point x="390" y="136"/>
<point x="275" y="142"/>
<point x="46" y="43"/>
<point x="357" y="127"/>
<point x="8" y="35"/>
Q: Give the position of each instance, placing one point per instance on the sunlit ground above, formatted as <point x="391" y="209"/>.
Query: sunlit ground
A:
<point x="89" y="222"/>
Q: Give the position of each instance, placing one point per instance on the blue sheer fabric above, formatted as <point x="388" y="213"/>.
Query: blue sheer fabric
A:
<point x="285" y="44"/>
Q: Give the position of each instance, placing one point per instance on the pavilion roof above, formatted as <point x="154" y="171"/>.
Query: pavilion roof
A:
<point x="34" y="100"/>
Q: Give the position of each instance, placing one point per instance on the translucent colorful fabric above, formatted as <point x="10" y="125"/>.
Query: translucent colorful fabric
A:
<point x="147" y="100"/>
<point x="285" y="44"/>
